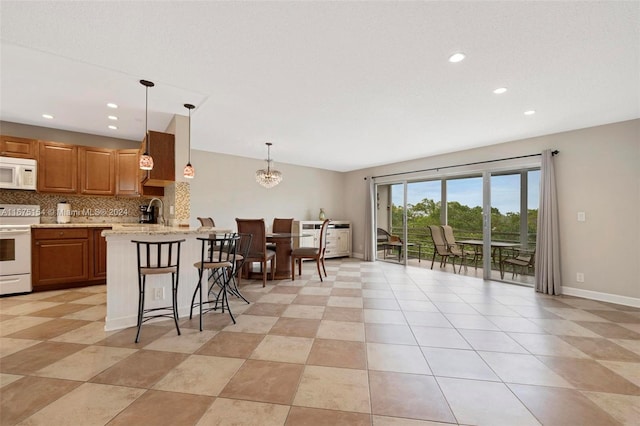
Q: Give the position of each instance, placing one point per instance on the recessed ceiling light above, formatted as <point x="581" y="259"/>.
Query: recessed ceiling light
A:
<point x="113" y="117"/>
<point x="456" y="57"/>
<point x="112" y="127"/>
<point x="500" y="90"/>
<point x="47" y="116"/>
<point x="530" y="112"/>
<point x="112" y="105"/>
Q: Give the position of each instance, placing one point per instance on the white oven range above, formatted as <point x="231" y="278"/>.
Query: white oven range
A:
<point x="15" y="246"/>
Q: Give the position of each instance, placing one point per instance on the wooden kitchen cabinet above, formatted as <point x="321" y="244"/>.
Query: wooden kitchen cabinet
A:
<point x="57" y="168"/>
<point x="162" y="150"/>
<point x="97" y="170"/>
<point x="67" y="257"/>
<point x="60" y="256"/>
<point x="11" y="146"/>
<point x="127" y="171"/>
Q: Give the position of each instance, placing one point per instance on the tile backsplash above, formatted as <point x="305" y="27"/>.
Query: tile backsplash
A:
<point x="84" y="209"/>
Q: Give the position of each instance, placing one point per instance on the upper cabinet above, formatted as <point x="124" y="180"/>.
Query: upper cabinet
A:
<point x="11" y="146"/>
<point x="58" y="168"/>
<point x="162" y="149"/>
<point x="97" y="170"/>
<point x="127" y="170"/>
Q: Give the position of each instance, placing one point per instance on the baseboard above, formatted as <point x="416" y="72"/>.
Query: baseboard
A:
<point x="602" y="297"/>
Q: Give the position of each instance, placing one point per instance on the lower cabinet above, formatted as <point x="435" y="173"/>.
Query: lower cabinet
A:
<point x="67" y="257"/>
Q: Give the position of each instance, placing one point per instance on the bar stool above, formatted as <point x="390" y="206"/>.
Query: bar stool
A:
<point x="156" y="258"/>
<point x="219" y="257"/>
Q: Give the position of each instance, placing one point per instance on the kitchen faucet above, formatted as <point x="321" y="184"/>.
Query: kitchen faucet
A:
<point x="160" y="210"/>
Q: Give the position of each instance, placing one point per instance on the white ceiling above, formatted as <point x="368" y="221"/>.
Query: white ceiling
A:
<point x="335" y="85"/>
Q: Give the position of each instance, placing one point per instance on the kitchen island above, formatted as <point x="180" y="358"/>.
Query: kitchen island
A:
<point x="122" y="270"/>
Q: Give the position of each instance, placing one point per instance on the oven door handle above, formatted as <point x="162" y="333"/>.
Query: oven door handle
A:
<point x="14" y="232"/>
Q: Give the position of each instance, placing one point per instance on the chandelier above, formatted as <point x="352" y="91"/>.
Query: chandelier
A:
<point x="268" y="177"/>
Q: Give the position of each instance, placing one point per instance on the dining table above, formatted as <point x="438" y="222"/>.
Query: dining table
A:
<point x="284" y="243"/>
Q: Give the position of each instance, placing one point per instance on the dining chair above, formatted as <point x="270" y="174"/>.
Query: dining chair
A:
<point x="315" y="253"/>
<point x="207" y="222"/>
<point x="441" y="248"/>
<point x="258" y="251"/>
<point x="449" y="238"/>
<point x="280" y="225"/>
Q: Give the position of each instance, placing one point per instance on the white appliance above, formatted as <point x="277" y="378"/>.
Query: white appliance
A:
<point x="15" y="246"/>
<point x="18" y="173"/>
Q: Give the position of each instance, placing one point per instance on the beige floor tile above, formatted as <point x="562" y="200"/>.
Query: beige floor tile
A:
<point x="235" y="345"/>
<point x="338" y="353"/>
<point x="94" y="313"/>
<point x="556" y="406"/>
<point x="632" y="345"/>
<point x="549" y="345"/>
<point x="35" y="357"/>
<point x="574" y="314"/>
<point x="396" y="358"/>
<point x="311" y="300"/>
<point x="343" y="314"/>
<point x="283" y="349"/>
<point x="6" y="379"/>
<point x="601" y="348"/>
<point x="264" y="381"/>
<point x="610" y="330"/>
<point x="377" y="294"/>
<point x="497" y="341"/>
<point x="628" y="370"/>
<point x="19" y="323"/>
<point x="398" y="421"/>
<point x="417" y="306"/>
<point x="85" y="364"/>
<point x="315" y="291"/>
<point x="284" y="299"/>
<point x="389" y="333"/>
<point x="28" y="307"/>
<point x="407" y="395"/>
<point x="188" y="342"/>
<point x="26" y="396"/>
<point x="561" y="327"/>
<point x="345" y="302"/>
<point x="201" y="375"/>
<point x="164" y="408"/>
<point x="624" y="408"/>
<point x="494" y="309"/>
<point x="266" y="309"/>
<point x="379" y="316"/>
<point x="320" y="417"/>
<point x="616" y="316"/>
<point x="439" y="337"/>
<point x="347" y="285"/>
<point x="49" y="330"/>
<point x="230" y="412"/>
<point x="334" y="389"/>
<point x="89" y="404"/>
<point x="523" y="369"/>
<point x="341" y="330"/>
<point x="463" y="364"/>
<point x="252" y="324"/>
<point x="142" y="369"/>
<point x="96" y="299"/>
<point x="471" y="322"/>
<point x="9" y="346"/>
<point x="88" y="334"/>
<point x="298" y="327"/>
<point x="303" y="311"/>
<point x="346" y="292"/>
<point x="427" y="319"/>
<point x="480" y="402"/>
<point x="67" y="296"/>
<point x="384" y="304"/>
<point x="516" y="325"/>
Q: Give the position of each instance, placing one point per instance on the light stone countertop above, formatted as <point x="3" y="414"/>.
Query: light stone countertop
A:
<point x="152" y="229"/>
<point x="79" y="225"/>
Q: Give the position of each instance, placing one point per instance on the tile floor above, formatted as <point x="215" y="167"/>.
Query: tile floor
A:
<point x="375" y="344"/>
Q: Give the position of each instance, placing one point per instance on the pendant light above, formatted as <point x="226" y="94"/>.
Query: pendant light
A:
<point x="268" y="177"/>
<point x="146" y="162"/>
<point x="189" y="171"/>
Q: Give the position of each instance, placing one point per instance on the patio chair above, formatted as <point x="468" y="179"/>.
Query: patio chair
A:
<point x="475" y="254"/>
<point x="522" y="261"/>
<point x="441" y="248"/>
<point x="386" y="241"/>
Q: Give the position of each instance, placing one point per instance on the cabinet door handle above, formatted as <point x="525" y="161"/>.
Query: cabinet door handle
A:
<point x="61" y="233"/>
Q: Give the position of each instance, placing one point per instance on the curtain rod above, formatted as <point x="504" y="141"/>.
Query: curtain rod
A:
<point x="555" y="152"/>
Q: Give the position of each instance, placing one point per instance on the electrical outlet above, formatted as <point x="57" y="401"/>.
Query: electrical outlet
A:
<point x="582" y="217"/>
<point x="580" y="277"/>
<point x="158" y="293"/>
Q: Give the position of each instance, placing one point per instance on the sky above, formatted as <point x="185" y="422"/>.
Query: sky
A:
<point x="505" y="192"/>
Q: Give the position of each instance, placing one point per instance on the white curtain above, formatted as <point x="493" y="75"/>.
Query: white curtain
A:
<point x="547" y="261"/>
<point x="369" y="220"/>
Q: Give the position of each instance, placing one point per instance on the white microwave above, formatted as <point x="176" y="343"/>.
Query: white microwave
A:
<point x="18" y="173"/>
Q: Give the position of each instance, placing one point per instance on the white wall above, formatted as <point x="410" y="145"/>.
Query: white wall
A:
<point x="597" y="172"/>
<point x="225" y="188"/>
